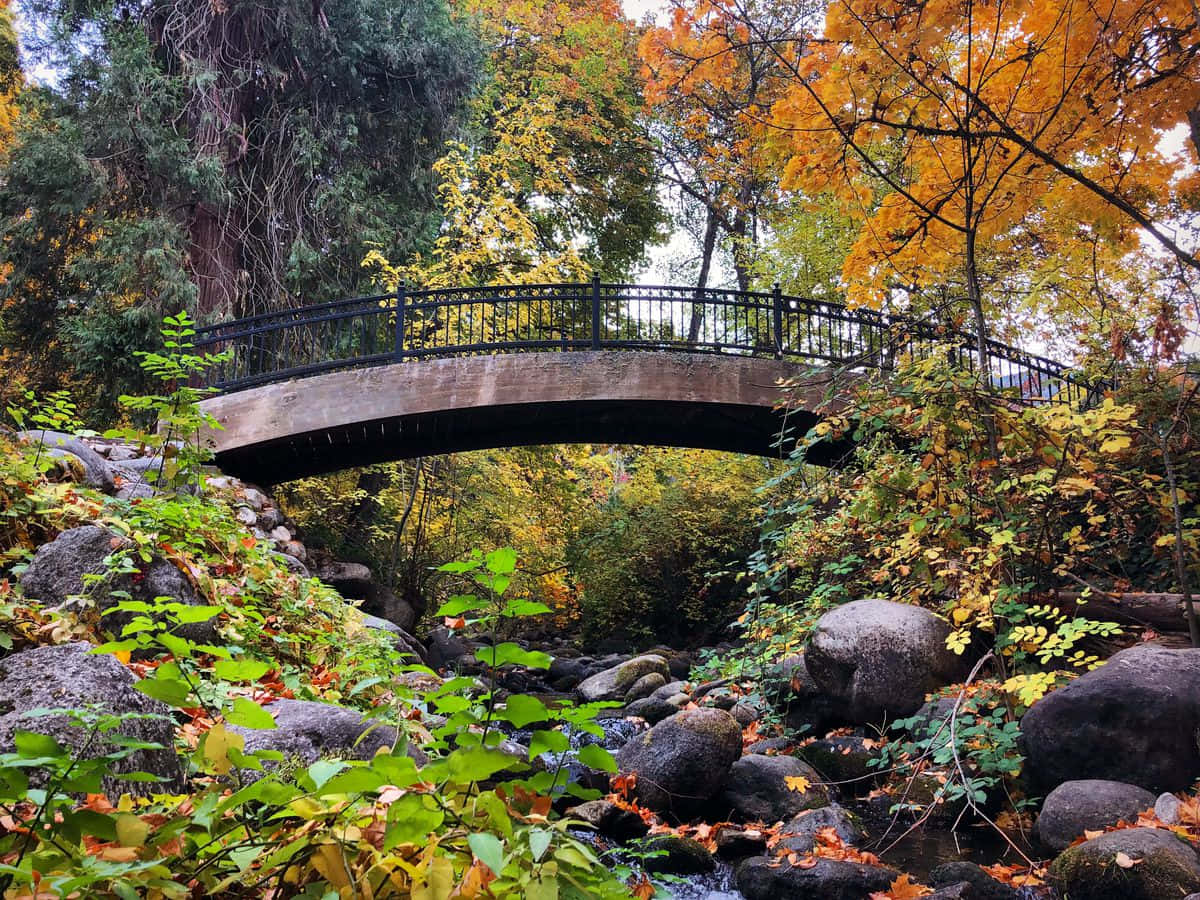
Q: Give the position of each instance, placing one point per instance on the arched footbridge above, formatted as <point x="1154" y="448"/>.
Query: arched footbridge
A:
<point x="415" y="373"/>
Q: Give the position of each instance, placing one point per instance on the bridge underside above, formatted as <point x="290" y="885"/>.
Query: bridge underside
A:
<point x="333" y="421"/>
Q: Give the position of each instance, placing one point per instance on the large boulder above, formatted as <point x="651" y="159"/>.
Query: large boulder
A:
<point x="401" y="639"/>
<point x="758" y="788"/>
<point x="306" y="730"/>
<point x="1131" y="864"/>
<point x="1075" y="807"/>
<point x="880" y="658"/>
<point x="351" y="580"/>
<point x="845" y="760"/>
<point x="613" y="683"/>
<point x="383" y="602"/>
<point x="761" y="878"/>
<point x="56" y="574"/>
<point x="1134" y="719"/>
<point x="69" y="677"/>
<point x="682" y="762"/>
<point x="92" y="466"/>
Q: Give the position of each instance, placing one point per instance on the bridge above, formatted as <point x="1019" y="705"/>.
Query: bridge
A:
<point x="420" y="372"/>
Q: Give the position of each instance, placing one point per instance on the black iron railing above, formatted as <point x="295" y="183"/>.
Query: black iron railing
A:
<point x="416" y="324"/>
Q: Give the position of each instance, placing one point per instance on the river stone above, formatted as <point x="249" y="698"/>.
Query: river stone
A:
<point x="653" y="711"/>
<point x="306" y="730"/>
<point x="612" y="683"/>
<point x="68" y="676"/>
<point x="380" y="601"/>
<point x="734" y="842"/>
<point x="881" y="658"/>
<point x="669" y="690"/>
<point x="682" y="762"/>
<point x="1163" y="866"/>
<point x="96" y="472"/>
<point x="645" y="686"/>
<point x="351" y="580"/>
<point x="757" y="791"/>
<point x="1090" y="805"/>
<point x="680" y="856"/>
<point x="761" y="878"/>
<point x="983" y="885"/>
<point x="445" y="647"/>
<point x="844" y="760"/>
<point x="401" y="639"/>
<point x="57" y="569"/>
<point x="800" y="833"/>
<point x="1167" y="809"/>
<point x="608" y="818"/>
<point x="1134" y="719"/>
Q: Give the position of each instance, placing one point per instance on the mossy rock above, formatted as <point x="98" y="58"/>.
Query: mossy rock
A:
<point x="1155" y="864"/>
<point x="679" y="856"/>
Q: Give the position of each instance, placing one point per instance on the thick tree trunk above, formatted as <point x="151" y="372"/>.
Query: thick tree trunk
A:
<point x="1162" y="612"/>
<point x="215" y="264"/>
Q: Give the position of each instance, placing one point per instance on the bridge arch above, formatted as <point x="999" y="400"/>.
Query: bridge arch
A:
<point x="415" y="373"/>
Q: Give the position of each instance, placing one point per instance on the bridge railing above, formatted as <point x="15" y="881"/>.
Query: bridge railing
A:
<point x="418" y="324"/>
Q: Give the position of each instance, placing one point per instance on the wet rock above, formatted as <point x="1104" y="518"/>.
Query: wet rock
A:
<point x="645" y="686"/>
<point x="94" y="467"/>
<point x="609" y="819"/>
<point x="844" y="761"/>
<point x="677" y="856"/>
<point x="565" y="673"/>
<point x="1091" y="805"/>
<point x="612" y="683"/>
<point x="757" y="789"/>
<point x="828" y="879"/>
<point x="56" y="574"/>
<point x="68" y="676"/>
<point x="800" y="833"/>
<point x="772" y="746"/>
<point x="983" y="885"/>
<point x="881" y="658"/>
<point x="1160" y="865"/>
<point x="963" y="890"/>
<point x="738" y="843"/>
<point x="682" y="762"/>
<point x="1134" y="719"/>
<point x="653" y="711"/>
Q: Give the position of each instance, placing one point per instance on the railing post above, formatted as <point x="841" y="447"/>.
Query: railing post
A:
<point x="595" y="312"/>
<point x="777" y="318"/>
<point x="400" y="294"/>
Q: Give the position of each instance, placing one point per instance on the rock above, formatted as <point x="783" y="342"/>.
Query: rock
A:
<point x="565" y="672"/>
<point x="294" y="565"/>
<point x="306" y="730"/>
<point x="683" y="761"/>
<point x="95" y="469"/>
<point x="645" y="686"/>
<point x="612" y="683"/>
<point x="772" y="746"/>
<point x="381" y="601"/>
<point x="254" y="498"/>
<point x="800" y="833"/>
<point x="669" y="690"/>
<point x="806" y="707"/>
<point x="844" y="760"/>
<point x="962" y="890"/>
<point x="738" y="843"/>
<point x="280" y="535"/>
<point x="246" y="516"/>
<point x="270" y="517"/>
<point x="120" y="453"/>
<point x="57" y="569"/>
<point x="653" y="711"/>
<point x="402" y="640"/>
<point x="680" y="664"/>
<point x="983" y="885"/>
<point x="1078" y="806"/>
<point x="1134" y="719"/>
<point x="757" y="790"/>
<point x="744" y="713"/>
<point x="1161" y="865"/>
<point x="351" y="580"/>
<point x="760" y="878"/>
<point x="608" y="818"/>
<point x="1166" y="809"/>
<point x="68" y="676"/>
<point x="297" y="550"/>
<point x="445" y="647"/>
<point x="881" y="658"/>
<point x="677" y="856"/>
<point x="721" y="698"/>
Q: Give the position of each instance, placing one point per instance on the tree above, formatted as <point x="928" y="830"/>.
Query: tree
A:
<point x="708" y="87"/>
<point x="990" y="126"/>
<point x="227" y="157"/>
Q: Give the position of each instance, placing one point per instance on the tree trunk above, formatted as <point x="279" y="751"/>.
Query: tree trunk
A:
<point x="707" y="249"/>
<point x="1162" y="612"/>
<point x="1193" y="118"/>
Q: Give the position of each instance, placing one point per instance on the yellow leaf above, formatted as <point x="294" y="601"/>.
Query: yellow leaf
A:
<point x="797" y="783"/>
<point x="1115" y="444"/>
<point x="131" y="831"/>
<point x="217" y="744"/>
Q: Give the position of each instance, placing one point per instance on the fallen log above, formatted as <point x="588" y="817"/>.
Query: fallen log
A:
<point x="1160" y="611"/>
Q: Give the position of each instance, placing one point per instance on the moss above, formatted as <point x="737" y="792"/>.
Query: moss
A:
<point x="1081" y="872"/>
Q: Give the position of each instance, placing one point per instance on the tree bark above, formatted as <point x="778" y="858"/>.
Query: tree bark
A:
<point x="1162" y="612"/>
<point x="707" y="249"/>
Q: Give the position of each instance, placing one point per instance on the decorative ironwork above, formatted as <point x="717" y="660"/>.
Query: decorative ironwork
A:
<point x="410" y="325"/>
